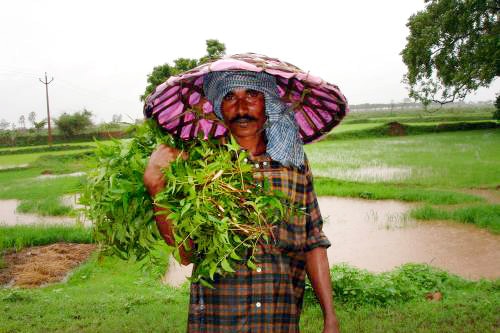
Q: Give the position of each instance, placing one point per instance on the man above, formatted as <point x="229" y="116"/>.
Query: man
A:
<point x="268" y="299"/>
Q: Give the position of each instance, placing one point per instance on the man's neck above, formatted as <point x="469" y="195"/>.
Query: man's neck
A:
<point x="255" y="146"/>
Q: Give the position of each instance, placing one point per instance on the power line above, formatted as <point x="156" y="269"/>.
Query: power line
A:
<point x="47" y="98"/>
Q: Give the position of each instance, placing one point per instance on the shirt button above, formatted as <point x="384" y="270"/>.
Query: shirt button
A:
<point x="259" y="269"/>
<point x="258" y="304"/>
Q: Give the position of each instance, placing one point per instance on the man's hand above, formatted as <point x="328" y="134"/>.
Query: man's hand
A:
<point x="155" y="182"/>
<point x="160" y="159"/>
<point x="318" y="270"/>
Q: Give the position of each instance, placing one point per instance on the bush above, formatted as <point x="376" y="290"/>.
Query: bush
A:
<point x="73" y="124"/>
<point x="355" y="287"/>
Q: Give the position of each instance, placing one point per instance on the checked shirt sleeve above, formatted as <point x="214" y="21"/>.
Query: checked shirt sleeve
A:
<point x="314" y="221"/>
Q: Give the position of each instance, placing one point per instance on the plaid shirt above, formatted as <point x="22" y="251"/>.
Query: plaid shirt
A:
<point x="268" y="299"/>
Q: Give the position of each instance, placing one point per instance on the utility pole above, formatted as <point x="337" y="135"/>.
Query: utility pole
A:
<point x="47" y="98"/>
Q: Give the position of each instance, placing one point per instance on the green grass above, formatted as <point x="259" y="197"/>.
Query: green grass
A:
<point x="23" y="184"/>
<point x="24" y="189"/>
<point x="484" y="216"/>
<point x="375" y="130"/>
<point x="373" y="191"/>
<point x="20" y="159"/>
<point x="48" y="206"/>
<point x="39" y="149"/>
<point x="43" y="195"/>
<point x="445" y="160"/>
<point x="467" y="310"/>
<point x="20" y="236"/>
<point x="116" y="296"/>
<point x="413" y="115"/>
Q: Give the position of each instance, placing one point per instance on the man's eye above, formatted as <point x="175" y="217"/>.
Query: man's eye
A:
<point x="253" y="93"/>
<point x="229" y="97"/>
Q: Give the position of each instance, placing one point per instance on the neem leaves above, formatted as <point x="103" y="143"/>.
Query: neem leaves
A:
<point x="210" y="198"/>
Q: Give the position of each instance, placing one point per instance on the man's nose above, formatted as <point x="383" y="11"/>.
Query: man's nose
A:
<point x="242" y="106"/>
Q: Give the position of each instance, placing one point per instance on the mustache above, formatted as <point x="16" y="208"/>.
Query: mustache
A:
<point x="242" y="118"/>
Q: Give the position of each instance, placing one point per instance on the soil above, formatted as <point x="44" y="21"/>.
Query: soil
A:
<point x="396" y="129"/>
<point x="39" y="265"/>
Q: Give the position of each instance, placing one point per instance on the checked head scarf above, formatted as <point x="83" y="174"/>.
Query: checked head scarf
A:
<point x="284" y="144"/>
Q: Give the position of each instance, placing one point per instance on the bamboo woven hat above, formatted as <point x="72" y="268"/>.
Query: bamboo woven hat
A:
<point x="180" y="107"/>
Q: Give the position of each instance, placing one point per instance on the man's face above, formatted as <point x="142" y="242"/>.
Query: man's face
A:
<point x="244" y="113"/>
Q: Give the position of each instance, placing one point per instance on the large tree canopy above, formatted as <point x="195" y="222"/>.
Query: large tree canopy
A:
<point x="453" y="49"/>
<point x="160" y="74"/>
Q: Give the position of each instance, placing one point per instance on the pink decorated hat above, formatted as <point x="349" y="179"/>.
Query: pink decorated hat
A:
<point x="180" y="107"/>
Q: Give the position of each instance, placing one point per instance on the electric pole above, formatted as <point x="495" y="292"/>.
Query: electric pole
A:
<point x="47" y="98"/>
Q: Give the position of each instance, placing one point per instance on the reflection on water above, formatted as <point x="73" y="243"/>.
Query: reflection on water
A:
<point x="379" y="235"/>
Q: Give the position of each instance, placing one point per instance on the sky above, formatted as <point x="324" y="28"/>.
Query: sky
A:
<point x="100" y="52"/>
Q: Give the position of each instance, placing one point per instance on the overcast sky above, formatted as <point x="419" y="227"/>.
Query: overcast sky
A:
<point x="100" y="52"/>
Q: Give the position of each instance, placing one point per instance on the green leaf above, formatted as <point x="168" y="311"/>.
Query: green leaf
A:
<point x="226" y="266"/>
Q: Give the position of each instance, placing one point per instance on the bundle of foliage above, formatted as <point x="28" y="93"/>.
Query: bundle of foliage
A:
<point x="211" y="198"/>
<point x="116" y="199"/>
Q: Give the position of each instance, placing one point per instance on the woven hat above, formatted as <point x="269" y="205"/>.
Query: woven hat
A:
<point x="180" y="107"/>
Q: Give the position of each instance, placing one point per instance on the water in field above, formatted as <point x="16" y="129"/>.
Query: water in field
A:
<point x="9" y="215"/>
<point x="378" y="235"/>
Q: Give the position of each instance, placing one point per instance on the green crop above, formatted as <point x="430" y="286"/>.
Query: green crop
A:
<point x="210" y="198"/>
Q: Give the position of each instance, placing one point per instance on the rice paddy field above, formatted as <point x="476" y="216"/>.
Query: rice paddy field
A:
<point x="450" y="175"/>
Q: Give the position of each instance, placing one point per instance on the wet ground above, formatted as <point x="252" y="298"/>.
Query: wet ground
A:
<point x="378" y="236"/>
<point x="9" y="216"/>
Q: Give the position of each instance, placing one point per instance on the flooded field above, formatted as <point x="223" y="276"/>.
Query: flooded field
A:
<point x="9" y="215"/>
<point x="378" y="235"/>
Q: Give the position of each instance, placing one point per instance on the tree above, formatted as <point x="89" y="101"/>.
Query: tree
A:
<point x="4" y="124"/>
<point x="40" y="124"/>
<point x="116" y="118"/>
<point x="215" y="50"/>
<point x="161" y="73"/>
<point x="32" y="118"/>
<point x="496" y="113"/>
<point x="71" y="124"/>
<point x="22" y="121"/>
<point x="452" y="49"/>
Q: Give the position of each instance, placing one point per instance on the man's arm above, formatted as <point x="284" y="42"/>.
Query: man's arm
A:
<point x="155" y="182"/>
<point x="318" y="271"/>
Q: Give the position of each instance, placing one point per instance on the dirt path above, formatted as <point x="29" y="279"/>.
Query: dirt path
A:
<point x="39" y="265"/>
